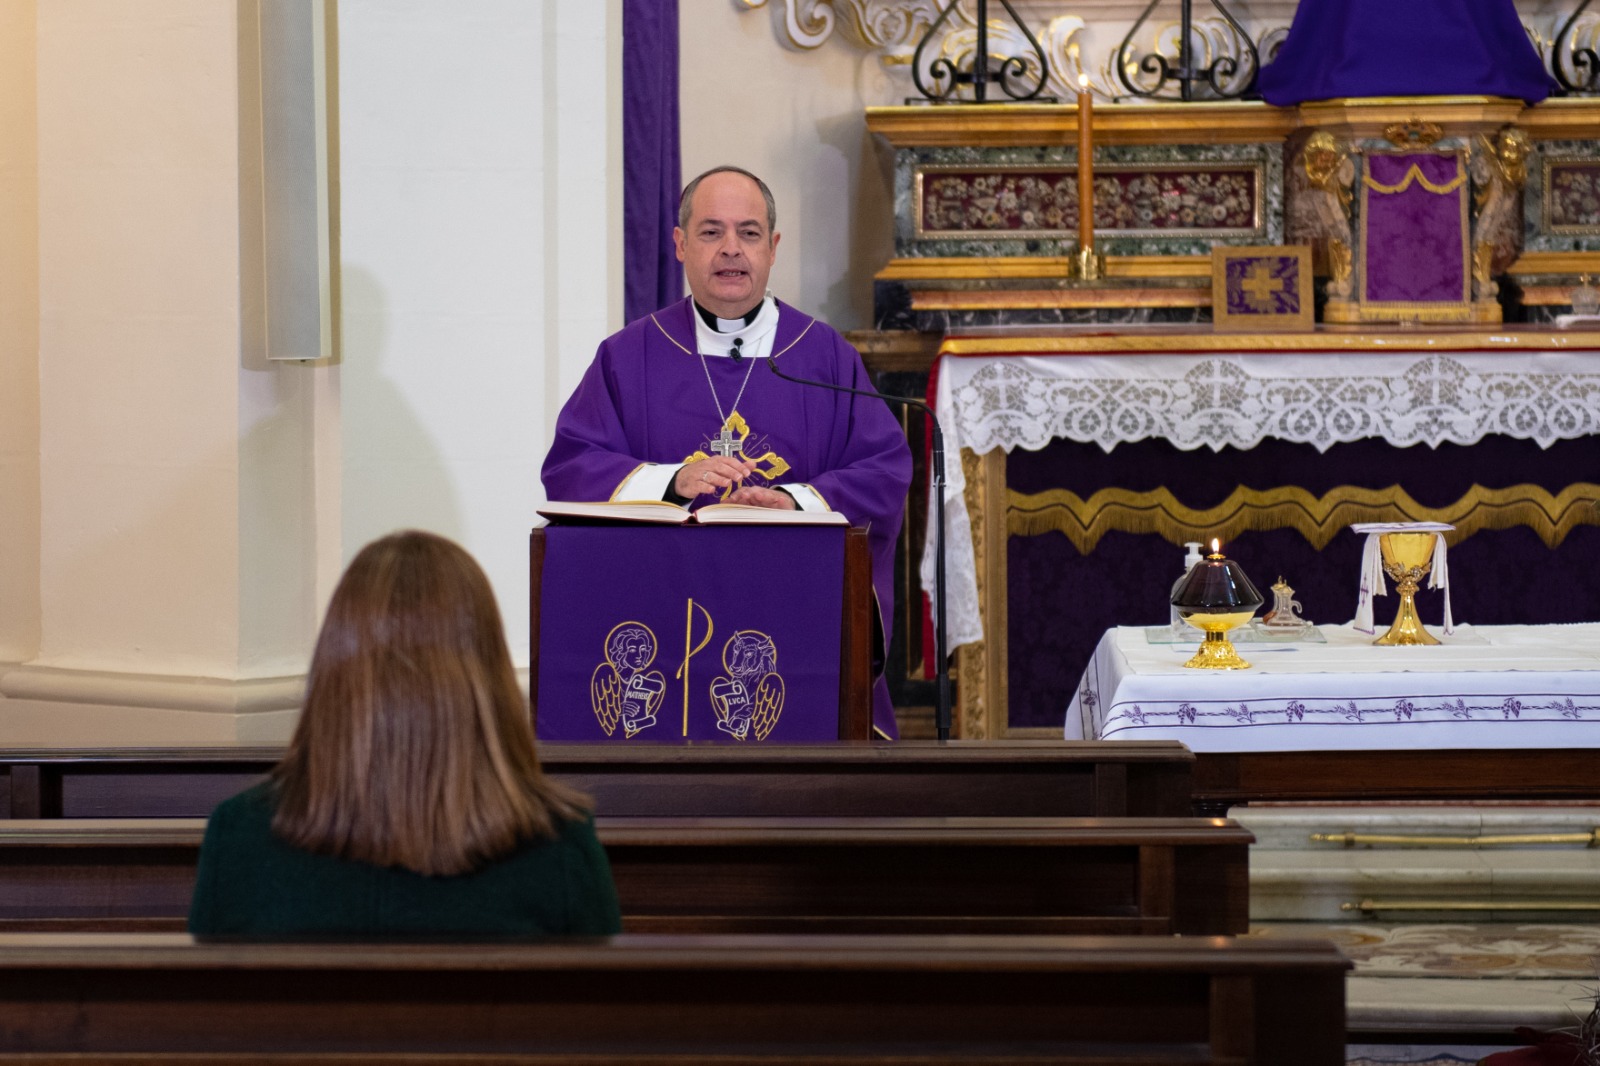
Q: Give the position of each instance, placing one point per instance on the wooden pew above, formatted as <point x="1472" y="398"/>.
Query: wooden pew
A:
<point x="989" y="875"/>
<point x="1107" y="779"/>
<point x="823" y="1001"/>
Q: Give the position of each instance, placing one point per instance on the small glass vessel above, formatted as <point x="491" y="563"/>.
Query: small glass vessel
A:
<point x="1285" y="614"/>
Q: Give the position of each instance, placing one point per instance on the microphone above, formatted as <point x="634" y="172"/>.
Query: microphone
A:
<point x="737" y="352"/>
<point x="942" y="711"/>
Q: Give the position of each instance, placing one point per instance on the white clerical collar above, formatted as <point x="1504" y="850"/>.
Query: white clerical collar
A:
<point x="753" y="340"/>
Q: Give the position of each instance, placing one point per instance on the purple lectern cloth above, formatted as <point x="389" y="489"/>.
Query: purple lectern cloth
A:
<point x="645" y="399"/>
<point x="1342" y="48"/>
<point x="1416" y="238"/>
<point x="622" y="607"/>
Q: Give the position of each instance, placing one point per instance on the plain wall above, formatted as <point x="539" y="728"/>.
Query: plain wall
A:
<point x="19" y="335"/>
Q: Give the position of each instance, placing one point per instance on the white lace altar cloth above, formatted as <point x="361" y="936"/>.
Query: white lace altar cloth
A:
<point x="1212" y="400"/>
<point x="1485" y="687"/>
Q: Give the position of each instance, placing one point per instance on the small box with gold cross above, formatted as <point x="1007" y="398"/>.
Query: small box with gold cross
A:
<point x="1262" y="289"/>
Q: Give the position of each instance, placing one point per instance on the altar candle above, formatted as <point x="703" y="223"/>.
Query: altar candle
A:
<point x="1085" y="164"/>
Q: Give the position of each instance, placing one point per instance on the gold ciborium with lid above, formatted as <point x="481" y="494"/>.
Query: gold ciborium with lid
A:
<point x="1407" y="558"/>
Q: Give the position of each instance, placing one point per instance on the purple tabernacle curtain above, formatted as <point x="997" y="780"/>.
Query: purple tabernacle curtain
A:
<point x="652" y="169"/>
<point x="1414" y="226"/>
<point x="1340" y="48"/>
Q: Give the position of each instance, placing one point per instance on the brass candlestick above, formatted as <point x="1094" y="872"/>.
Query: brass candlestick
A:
<point x="1407" y="558"/>
<point x="1088" y="264"/>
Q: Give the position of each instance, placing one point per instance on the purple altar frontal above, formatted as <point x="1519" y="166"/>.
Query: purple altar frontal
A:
<point x="671" y="635"/>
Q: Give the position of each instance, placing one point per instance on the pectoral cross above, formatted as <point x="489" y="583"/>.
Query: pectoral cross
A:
<point x="726" y="443"/>
<point x="730" y="442"/>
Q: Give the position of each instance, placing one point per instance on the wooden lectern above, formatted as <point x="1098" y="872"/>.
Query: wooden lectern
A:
<point x="628" y="644"/>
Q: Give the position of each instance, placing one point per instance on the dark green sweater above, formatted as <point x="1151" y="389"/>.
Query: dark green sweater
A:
<point x="253" y="884"/>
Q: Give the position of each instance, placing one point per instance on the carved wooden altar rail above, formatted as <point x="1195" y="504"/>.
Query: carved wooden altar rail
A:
<point x="1049" y="779"/>
<point x="821" y="1000"/>
<point x="989" y="875"/>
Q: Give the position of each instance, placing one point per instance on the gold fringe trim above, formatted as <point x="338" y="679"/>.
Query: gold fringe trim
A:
<point x="1318" y="519"/>
<point x="1421" y="312"/>
<point x="1415" y="175"/>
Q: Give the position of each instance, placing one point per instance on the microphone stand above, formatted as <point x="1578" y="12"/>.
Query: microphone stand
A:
<point x="942" y="710"/>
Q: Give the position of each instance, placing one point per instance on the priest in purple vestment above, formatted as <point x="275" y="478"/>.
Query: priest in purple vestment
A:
<point x="679" y="405"/>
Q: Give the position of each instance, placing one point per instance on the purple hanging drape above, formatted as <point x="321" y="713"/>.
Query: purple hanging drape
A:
<point x="652" y="169"/>
<point x="1339" y="48"/>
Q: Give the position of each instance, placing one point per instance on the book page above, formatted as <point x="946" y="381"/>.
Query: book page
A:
<point x="742" y="514"/>
<point x="615" y="511"/>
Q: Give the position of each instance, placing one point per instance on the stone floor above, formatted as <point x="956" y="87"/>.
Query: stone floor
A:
<point x="1528" y="958"/>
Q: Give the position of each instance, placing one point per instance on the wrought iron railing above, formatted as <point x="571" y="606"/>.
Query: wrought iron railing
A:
<point x="1013" y="76"/>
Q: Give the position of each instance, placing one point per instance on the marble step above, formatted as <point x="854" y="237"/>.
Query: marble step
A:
<point x="1307" y="885"/>
<point x="1291" y="828"/>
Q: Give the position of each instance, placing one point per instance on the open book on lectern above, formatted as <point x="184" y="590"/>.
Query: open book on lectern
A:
<point x="663" y="513"/>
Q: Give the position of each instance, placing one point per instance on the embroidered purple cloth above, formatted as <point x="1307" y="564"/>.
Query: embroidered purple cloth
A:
<point x="1414" y="211"/>
<point x="1340" y="48"/>
<point x="648" y="634"/>
<point x="645" y="399"/>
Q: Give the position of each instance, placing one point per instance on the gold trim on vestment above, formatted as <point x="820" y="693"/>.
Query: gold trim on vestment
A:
<point x="624" y="481"/>
<point x="774" y="355"/>
<point x="1317" y="518"/>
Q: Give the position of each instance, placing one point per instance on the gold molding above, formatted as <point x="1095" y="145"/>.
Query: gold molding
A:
<point x="993" y="600"/>
<point x="1034" y="299"/>
<point x="1045" y="341"/>
<point x="1546" y="224"/>
<point x="1455" y="116"/>
<point x="972" y="660"/>
<point x="1225" y="122"/>
<point x="1568" y="119"/>
<point x="1001" y="268"/>
<point x="1317" y="518"/>
<point x="981" y="703"/>
<point x="1556" y="263"/>
<point x="1031" y="125"/>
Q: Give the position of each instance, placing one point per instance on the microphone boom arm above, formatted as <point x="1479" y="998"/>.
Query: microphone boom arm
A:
<point x="942" y="662"/>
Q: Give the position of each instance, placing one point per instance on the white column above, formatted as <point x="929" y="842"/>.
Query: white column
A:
<point x="174" y="517"/>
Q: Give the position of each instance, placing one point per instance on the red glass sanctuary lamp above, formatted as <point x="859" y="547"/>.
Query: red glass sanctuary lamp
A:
<point x="1215" y="596"/>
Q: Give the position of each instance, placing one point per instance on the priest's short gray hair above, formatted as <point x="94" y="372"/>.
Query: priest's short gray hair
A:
<point x="687" y="199"/>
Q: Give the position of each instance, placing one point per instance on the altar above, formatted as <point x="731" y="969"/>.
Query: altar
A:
<point x="1496" y="687"/>
<point x="1090" y="454"/>
<point x="1096" y="423"/>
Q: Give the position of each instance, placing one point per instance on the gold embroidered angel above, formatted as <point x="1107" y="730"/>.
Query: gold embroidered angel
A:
<point x="621" y="689"/>
<point x="750" y="699"/>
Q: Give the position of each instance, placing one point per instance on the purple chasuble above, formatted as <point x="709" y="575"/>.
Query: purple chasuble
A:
<point x="646" y="399"/>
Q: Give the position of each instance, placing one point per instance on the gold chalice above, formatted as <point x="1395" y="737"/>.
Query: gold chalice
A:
<point x="1215" y="596"/>
<point x="1407" y="558"/>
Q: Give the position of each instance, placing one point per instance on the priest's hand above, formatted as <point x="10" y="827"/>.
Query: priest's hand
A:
<point x="711" y="475"/>
<point x="756" y="496"/>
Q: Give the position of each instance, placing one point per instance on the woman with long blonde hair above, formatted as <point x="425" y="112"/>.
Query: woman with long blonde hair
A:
<point x="411" y="798"/>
